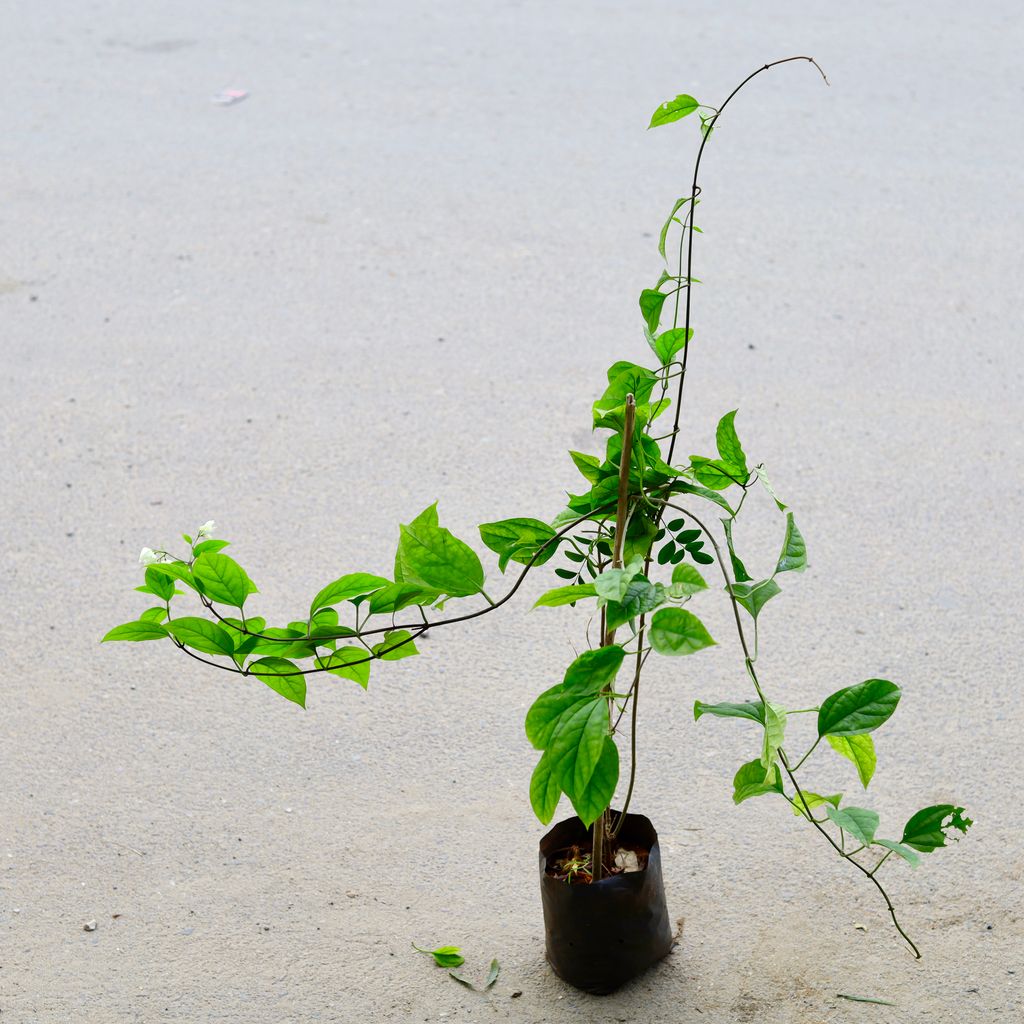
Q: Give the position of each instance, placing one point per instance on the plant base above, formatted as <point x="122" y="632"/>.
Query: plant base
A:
<point x="601" y="935"/>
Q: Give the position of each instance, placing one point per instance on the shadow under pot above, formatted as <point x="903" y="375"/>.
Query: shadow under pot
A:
<point x="599" y="935"/>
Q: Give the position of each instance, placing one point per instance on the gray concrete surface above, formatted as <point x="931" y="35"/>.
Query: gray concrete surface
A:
<point x="393" y="274"/>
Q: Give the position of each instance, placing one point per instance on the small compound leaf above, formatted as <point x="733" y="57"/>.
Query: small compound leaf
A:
<point x="859" y="749"/>
<point x="858" y="821"/>
<point x="353" y="584"/>
<point x="930" y="828"/>
<point x="794" y="551"/>
<point x="858" y="709"/>
<point x="673" y="110"/>
<point x="566" y="595"/>
<point x="544" y="791"/>
<point x="903" y="851"/>
<point x="136" y="632"/>
<point x="202" y="635"/>
<point x="676" y="631"/>
<point x="751" y="780"/>
<point x="282" y="677"/>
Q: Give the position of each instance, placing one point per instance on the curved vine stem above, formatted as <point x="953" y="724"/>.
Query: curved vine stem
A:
<point x="791" y="772"/>
<point x="687" y="234"/>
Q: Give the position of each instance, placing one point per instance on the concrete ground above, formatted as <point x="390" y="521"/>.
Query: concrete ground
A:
<point x="395" y="273"/>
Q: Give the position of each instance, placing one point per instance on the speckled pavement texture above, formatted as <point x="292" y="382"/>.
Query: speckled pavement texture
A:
<point x="395" y="273"/>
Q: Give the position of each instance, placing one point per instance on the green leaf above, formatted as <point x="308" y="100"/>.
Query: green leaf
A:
<point x="566" y="595"/>
<point x="667" y="344"/>
<point x="354" y="584"/>
<point x="577" y="744"/>
<point x="397" y="644"/>
<point x="597" y="794"/>
<point x="738" y="568"/>
<point x="751" y="710"/>
<point x="903" y="851"/>
<point x="729" y="447"/>
<point x="433" y="557"/>
<point x="673" y="110"/>
<point x="547" y="710"/>
<point x="774" y="728"/>
<point x="588" y="465"/>
<point x="444" y="956"/>
<point x="686" y="580"/>
<point x="763" y="477"/>
<point x="544" y="791"/>
<point x="348" y="663"/>
<point x="641" y="597"/>
<point x="210" y="545"/>
<point x="159" y="583"/>
<point x="858" y="709"/>
<point x="714" y="473"/>
<point x="651" y="301"/>
<point x="794" y="550"/>
<point x="284" y="643"/>
<point x="702" y="492"/>
<point x="594" y="671"/>
<point x="754" y="596"/>
<point x="676" y="207"/>
<point x="177" y="571"/>
<point x="136" y="632"/>
<point x="202" y="635"/>
<point x="858" y="821"/>
<point x="677" y="631"/>
<point x="751" y="780"/>
<point x="930" y="828"/>
<point x="396" y="596"/>
<point x="281" y="676"/>
<point x="626" y="379"/>
<point x="222" y="579"/>
<point x="859" y="749"/>
<point x="813" y="800"/>
<point x="612" y="584"/>
<point x="157" y="614"/>
<point x="519" y="540"/>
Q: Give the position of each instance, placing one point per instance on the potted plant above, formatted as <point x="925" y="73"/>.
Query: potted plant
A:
<point x="637" y="546"/>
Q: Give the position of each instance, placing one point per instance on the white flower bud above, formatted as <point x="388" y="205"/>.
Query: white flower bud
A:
<point x="206" y="530"/>
<point x="148" y="556"/>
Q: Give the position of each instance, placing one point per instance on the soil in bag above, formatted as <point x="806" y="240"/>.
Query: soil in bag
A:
<point x="599" y="935"/>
